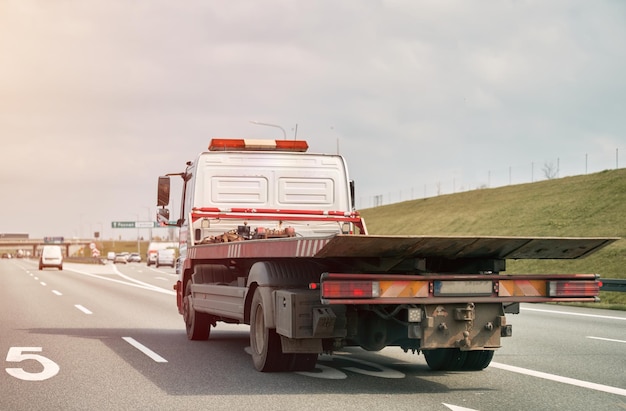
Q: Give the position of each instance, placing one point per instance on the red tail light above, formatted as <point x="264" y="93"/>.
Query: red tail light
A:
<point x="573" y="288"/>
<point x="350" y="289"/>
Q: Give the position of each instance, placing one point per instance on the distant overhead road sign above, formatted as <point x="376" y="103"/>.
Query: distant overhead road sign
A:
<point x="144" y="224"/>
<point x="133" y="224"/>
<point x="122" y="224"/>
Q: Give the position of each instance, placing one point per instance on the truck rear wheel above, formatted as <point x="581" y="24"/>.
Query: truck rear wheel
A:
<point x="303" y="362"/>
<point x="198" y="325"/>
<point x="265" y="345"/>
<point x="445" y="359"/>
<point x="449" y="359"/>
<point x="478" y="360"/>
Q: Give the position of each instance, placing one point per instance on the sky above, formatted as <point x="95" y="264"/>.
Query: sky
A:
<point x="422" y="97"/>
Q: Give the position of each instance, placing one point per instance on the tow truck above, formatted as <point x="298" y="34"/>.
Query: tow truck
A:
<point x="269" y="236"/>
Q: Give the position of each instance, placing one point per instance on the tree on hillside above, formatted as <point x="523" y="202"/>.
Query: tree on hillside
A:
<point x="550" y="171"/>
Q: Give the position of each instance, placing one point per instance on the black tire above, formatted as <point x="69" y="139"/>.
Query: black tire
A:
<point x="198" y="325"/>
<point x="267" y="354"/>
<point x="303" y="362"/>
<point x="478" y="360"/>
<point x="445" y="359"/>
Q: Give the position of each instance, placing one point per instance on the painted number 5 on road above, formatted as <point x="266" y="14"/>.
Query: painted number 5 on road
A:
<point x="19" y="354"/>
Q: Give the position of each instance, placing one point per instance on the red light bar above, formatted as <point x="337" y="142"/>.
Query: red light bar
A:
<point x="350" y="289"/>
<point x="292" y="145"/>
<point x="240" y="144"/>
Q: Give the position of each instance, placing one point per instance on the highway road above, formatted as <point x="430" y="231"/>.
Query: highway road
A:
<point x="109" y="337"/>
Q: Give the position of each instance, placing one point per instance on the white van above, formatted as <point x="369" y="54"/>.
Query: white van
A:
<point x="166" y="257"/>
<point x="154" y="247"/>
<point x="51" y="256"/>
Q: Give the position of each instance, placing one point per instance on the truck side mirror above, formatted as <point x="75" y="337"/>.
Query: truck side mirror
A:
<point x="163" y="194"/>
<point x="352" y="193"/>
<point x="163" y="216"/>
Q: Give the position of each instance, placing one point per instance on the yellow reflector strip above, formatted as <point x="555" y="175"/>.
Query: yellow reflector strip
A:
<point x="391" y="289"/>
<point x="522" y="288"/>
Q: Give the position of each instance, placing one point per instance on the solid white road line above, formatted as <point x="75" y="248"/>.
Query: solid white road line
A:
<point x="576" y="314"/>
<point x="606" y="339"/>
<point x="141" y="283"/>
<point x="145" y="287"/>
<point x="558" y="378"/>
<point x="457" y="408"/>
<point x="156" y="357"/>
<point x="83" y="309"/>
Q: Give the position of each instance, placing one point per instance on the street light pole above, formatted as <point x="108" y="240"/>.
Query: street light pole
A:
<point x="149" y="219"/>
<point x="137" y="228"/>
<point x="271" y="125"/>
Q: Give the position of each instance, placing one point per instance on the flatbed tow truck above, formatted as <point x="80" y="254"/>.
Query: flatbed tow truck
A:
<point x="269" y="237"/>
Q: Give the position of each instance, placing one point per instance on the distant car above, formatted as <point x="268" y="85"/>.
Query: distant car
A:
<point x="51" y="256"/>
<point x="154" y="246"/>
<point x="134" y="258"/>
<point x="166" y="257"/>
<point x="6" y="255"/>
<point x="151" y="258"/>
<point x="111" y="256"/>
<point x="121" y="258"/>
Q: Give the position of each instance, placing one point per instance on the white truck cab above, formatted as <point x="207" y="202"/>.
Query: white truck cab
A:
<point x="262" y="177"/>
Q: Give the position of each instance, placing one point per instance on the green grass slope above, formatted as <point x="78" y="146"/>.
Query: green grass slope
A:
<point x="592" y="205"/>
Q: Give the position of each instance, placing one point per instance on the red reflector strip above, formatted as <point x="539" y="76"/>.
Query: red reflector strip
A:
<point x="573" y="288"/>
<point x="350" y="289"/>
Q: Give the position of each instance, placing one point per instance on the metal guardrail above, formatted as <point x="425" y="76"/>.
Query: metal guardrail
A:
<point x="610" y="284"/>
<point x="85" y="260"/>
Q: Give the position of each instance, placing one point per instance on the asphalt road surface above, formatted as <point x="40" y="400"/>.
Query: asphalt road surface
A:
<point x="109" y="337"/>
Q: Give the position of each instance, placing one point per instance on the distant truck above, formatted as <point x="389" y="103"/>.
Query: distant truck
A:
<point x="269" y="237"/>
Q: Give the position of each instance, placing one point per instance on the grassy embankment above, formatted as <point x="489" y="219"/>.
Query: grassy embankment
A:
<point x="592" y="205"/>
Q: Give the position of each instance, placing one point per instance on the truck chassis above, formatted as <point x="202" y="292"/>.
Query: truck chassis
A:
<point x="443" y="296"/>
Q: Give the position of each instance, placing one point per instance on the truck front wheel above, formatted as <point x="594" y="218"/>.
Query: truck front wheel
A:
<point x="265" y="345"/>
<point x="198" y="324"/>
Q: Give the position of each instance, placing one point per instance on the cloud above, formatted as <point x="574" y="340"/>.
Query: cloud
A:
<point x="98" y="98"/>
